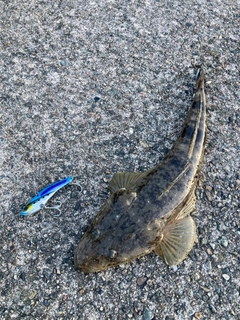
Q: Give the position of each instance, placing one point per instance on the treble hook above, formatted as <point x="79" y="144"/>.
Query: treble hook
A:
<point x="56" y="207"/>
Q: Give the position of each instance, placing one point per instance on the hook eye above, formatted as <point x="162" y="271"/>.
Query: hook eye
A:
<point x="76" y="184"/>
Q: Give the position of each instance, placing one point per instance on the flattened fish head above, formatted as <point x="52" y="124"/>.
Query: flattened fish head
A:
<point x="101" y="248"/>
<point x="117" y="235"/>
<point x="90" y="256"/>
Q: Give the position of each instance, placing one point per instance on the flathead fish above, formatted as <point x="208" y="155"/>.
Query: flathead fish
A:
<point x="150" y="210"/>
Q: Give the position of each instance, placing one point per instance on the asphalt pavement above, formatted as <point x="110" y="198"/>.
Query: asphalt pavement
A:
<point x="89" y="88"/>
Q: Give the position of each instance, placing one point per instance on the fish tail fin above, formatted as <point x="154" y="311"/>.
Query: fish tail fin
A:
<point x="178" y="239"/>
<point x="200" y="78"/>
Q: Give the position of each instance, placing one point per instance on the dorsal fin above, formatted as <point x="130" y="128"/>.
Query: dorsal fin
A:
<point x="127" y="180"/>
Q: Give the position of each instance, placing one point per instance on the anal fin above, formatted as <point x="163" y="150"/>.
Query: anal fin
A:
<point x="188" y="208"/>
<point x="178" y="239"/>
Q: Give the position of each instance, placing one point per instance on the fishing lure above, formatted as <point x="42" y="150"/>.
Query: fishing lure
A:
<point x="39" y="201"/>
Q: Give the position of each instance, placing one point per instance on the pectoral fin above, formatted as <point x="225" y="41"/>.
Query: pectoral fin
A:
<point x="178" y="239"/>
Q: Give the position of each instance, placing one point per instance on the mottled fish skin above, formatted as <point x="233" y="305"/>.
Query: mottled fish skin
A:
<point x="150" y="210"/>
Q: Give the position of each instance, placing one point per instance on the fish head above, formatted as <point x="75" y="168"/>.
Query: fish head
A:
<point x="94" y="256"/>
<point x="91" y="256"/>
<point x="116" y="236"/>
<point x="113" y="248"/>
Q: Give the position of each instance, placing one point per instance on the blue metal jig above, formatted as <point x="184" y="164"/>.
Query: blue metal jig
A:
<point x="39" y="201"/>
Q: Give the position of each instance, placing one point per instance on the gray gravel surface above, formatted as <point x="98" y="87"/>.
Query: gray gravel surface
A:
<point x="89" y="88"/>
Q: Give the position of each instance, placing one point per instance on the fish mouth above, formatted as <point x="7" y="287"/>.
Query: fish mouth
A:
<point x="91" y="256"/>
<point x="87" y="264"/>
<point x="86" y="257"/>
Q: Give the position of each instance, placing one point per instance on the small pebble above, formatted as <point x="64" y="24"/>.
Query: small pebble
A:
<point x="141" y="281"/>
<point x="46" y="302"/>
<point x="218" y="257"/>
<point x="149" y="282"/>
<point x="224" y="242"/>
<point x="81" y="291"/>
<point x="209" y="252"/>
<point x="212" y="308"/>
<point x="197" y="276"/>
<point x="205" y="289"/>
<point x="28" y="294"/>
<point x="175" y="268"/>
<point x="147" y="314"/>
<point x="143" y="144"/>
<point x="226" y="277"/>
<point x="213" y="245"/>
<point x="131" y="131"/>
<point x="209" y="196"/>
<point x="208" y="265"/>
<point x="198" y="315"/>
